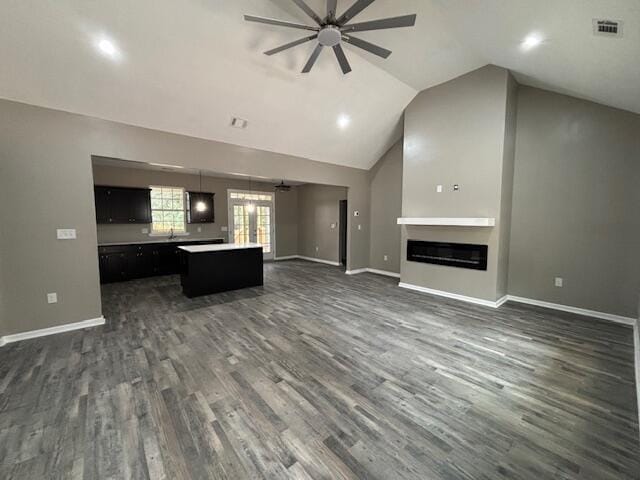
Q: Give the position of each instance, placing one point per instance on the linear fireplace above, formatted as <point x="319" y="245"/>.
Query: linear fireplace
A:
<point x="461" y="255"/>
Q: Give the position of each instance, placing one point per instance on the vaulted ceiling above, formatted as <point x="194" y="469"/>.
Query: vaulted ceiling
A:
<point x="190" y="66"/>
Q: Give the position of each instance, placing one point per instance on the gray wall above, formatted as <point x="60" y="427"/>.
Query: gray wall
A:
<point x="318" y="209"/>
<point x="45" y="156"/>
<point x="386" y="207"/>
<point x="286" y="204"/>
<point x="576" y="203"/>
<point x="456" y="133"/>
<point x="506" y="188"/>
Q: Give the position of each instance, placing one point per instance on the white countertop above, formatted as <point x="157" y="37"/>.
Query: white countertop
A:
<point x="161" y="240"/>
<point x="219" y="247"/>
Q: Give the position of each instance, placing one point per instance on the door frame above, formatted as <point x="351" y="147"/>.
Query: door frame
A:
<point x="272" y="204"/>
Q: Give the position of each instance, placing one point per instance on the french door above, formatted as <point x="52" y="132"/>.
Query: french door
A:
<point x="251" y="219"/>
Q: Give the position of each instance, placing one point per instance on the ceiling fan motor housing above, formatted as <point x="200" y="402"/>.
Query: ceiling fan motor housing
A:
<point x="329" y="36"/>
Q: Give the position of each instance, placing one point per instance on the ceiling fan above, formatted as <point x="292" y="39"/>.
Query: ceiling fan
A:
<point x="282" y="187"/>
<point x="331" y="31"/>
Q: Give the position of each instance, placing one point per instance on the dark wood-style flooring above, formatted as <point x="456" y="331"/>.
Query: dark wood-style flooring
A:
<point x="319" y="375"/>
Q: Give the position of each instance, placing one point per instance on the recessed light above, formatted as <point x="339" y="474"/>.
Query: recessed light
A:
<point x="531" y="42"/>
<point x="344" y="121"/>
<point x="108" y="48"/>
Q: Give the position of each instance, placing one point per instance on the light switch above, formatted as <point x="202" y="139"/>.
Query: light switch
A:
<point x="224" y="228"/>
<point x="52" y="297"/>
<point x="359" y="227"/>
<point x="439" y="189"/>
<point x="66" y="233"/>
<point x="199" y="229"/>
<point x="145" y="231"/>
<point x="333" y="226"/>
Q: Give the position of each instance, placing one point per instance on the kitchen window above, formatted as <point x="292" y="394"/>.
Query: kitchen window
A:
<point x="167" y="210"/>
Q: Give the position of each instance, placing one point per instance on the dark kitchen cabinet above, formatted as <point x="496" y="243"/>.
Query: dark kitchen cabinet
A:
<point x="122" y="205"/>
<point x="196" y="216"/>
<point x="130" y="261"/>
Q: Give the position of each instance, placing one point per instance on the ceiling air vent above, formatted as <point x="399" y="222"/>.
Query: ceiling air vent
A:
<point x="607" y="28"/>
<point x="238" y="123"/>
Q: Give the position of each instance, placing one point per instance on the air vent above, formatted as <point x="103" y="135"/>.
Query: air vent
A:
<point x="238" y="123"/>
<point x="607" y="28"/>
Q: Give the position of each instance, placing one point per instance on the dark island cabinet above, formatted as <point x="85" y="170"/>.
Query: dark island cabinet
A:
<point x="205" y="213"/>
<point x="122" y="205"/>
<point x="130" y="261"/>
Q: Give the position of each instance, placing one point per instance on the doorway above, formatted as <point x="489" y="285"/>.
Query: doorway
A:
<point x="251" y="219"/>
<point x="343" y="232"/>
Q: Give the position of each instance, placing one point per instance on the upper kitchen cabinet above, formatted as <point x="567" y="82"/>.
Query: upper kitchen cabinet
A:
<point x="122" y="205"/>
<point x="200" y="207"/>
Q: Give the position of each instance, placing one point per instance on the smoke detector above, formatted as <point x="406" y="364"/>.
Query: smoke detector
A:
<point x="607" y="28"/>
<point x="239" y="123"/>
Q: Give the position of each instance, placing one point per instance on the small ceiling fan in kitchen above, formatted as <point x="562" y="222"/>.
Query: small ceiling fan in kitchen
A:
<point x="331" y="31"/>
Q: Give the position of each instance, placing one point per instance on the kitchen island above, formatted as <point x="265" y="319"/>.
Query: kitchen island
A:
<point x="207" y="269"/>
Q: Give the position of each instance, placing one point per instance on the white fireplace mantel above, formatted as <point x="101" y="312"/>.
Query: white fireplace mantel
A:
<point x="448" y="221"/>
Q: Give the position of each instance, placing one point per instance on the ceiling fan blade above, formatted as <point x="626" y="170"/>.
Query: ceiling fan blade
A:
<point x="312" y="59"/>
<point x="342" y="59"/>
<point x="353" y="10"/>
<point x="369" y="47"/>
<point x="395" y="22"/>
<point x="290" y="45"/>
<point x="332" y="6"/>
<point x="308" y="10"/>
<point x="279" y="23"/>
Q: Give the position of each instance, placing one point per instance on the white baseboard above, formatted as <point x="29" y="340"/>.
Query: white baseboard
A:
<point x="289" y="257"/>
<point x="319" y="260"/>
<point x="455" y="296"/>
<point x="580" y="311"/>
<point x="383" y="272"/>
<point x="636" y="341"/>
<point x="356" y="271"/>
<point x="68" y="327"/>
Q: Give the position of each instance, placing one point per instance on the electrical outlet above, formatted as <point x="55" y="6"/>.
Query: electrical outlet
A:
<point x="386" y="258"/>
<point x="145" y="231"/>
<point x="317" y="248"/>
<point x="199" y="229"/>
<point x="439" y="189"/>
<point x="52" y="297"/>
<point x="559" y="281"/>
<point x="333" y="226"/>
<point x="224" y="228"/>
<point x="66" y="233"/>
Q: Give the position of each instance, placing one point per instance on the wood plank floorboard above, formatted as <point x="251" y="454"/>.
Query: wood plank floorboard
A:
<point x="320" y="375"/>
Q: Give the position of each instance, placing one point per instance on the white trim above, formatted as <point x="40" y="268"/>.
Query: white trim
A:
<point x="502" y="301"/>
<point x="580" y="311"/>
<point x="455" y="296"/>
<point x="383" y="272"/>
<point x="374" y="271"/>
<point x="636" y="341"/>
<point x="448" y="221"/>
<point x="356" y="271"/>
<point x="289" y="257"/>
<point x="68" y="327"/>
<point x="319" y="260"/>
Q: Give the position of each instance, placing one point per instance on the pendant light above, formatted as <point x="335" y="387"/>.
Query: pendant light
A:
<point x="251" y="207"/>
<point x="200" y="205"/>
